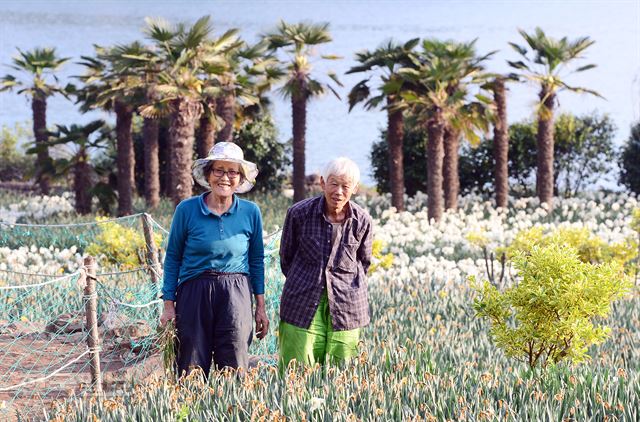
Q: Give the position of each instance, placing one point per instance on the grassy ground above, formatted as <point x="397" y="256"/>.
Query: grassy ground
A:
<point x="424" y="357"/>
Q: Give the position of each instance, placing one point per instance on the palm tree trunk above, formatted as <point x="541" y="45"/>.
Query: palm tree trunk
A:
<point x="501" y="145"/>
<point x="395" y="134"/>
<point x="544" y="176"/>
<point x="43" y="176"/>
<point x="151" y="163"/>
<point x="435" y="157"/>
<point x="299" y="115"/>
<point x="186" y="112"/>
<point x="125" y="158"/>
<point x="81" y="183"/>
<point x="164" y="154"/>
<point x="451" y="178"/>
<point x="225" y="108"/>
<point x="206" y="135"/>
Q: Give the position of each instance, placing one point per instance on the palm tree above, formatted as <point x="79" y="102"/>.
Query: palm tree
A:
<point x="77" y="139"/>
<point x="111" y="84"/>
<point x="549" y="58"/>
<point x="252" y="70"/>
<point x="440" y="107"/>
<point x="39" y="64"/>
<point x="185" y="54"/>
<point x="142" y="66"/>
<point x="468" y="72"/>
<point x="387" y="58"/>
<point x="471" y="116"/>
<point x="500" y="142"/>
<point x="218" y="101"/>
<point x="298" y="41"/>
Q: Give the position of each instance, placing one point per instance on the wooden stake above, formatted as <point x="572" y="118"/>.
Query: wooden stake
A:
<point x="152" y="251"/>
<point x="91" y="307"/>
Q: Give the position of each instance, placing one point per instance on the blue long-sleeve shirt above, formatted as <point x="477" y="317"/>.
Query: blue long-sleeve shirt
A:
<point x="200" y="240"/>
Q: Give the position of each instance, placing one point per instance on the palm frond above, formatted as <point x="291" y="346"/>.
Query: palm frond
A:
<point x="585" y="67"/>
<point x="334" y="78"/>
<point x="159" y="30"/>
<point x="580" y="90"/>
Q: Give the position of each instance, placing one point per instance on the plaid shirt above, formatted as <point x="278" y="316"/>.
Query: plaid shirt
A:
<point x="305" y="250"/>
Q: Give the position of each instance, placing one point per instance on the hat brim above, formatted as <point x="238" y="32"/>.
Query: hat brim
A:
<point x="249" y="171"/>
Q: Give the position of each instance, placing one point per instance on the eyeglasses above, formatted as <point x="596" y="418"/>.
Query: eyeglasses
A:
<point x="232" y="174"/>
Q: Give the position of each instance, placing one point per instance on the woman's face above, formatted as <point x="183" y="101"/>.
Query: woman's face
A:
<point x="224" y="178"/>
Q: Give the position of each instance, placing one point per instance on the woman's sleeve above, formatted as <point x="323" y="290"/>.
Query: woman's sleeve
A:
<point x="256" y="254"/>
<point x="173" y="256"/>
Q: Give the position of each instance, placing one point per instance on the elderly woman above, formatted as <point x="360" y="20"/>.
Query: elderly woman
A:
<point x="325" y="253"/>
<point x="214" y="260"/>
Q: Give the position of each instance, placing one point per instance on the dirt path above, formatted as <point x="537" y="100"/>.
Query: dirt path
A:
<point x="21" y="364"/>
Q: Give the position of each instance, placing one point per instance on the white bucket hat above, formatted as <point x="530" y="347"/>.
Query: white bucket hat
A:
<point x="227" y="151"/>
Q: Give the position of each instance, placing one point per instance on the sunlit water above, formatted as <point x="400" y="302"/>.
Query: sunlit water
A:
<point x="74" y="26"/>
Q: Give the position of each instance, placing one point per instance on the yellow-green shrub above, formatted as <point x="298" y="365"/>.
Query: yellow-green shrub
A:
<point x="590" y="248"/>
<point x="549" y="315"/>
<point x="120" y="246"/>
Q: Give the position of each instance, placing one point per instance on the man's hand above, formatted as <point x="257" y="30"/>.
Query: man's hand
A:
<point x="169" y="312"/>
<point x="262" y="322"/>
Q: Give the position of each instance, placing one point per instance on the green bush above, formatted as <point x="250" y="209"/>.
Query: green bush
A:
<point x="14" y="164"/>
<point x="550" y="315"/>
<point x="259" y="140"/>
<point x="584" y="154"/>
<point x="415" y="159"/>
<point x="629" y="157"/>
<point x="120" y="247"/>
<point x="591" y="249"/>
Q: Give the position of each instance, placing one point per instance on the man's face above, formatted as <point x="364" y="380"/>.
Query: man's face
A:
<point x="337" y="190"/>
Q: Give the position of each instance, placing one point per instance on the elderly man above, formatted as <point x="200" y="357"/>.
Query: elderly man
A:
<point x="325" y="253"/>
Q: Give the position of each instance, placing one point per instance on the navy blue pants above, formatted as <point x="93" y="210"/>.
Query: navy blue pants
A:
<point x="213" y="322"/>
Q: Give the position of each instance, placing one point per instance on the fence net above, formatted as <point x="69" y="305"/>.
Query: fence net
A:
<point x="44" y="352"/>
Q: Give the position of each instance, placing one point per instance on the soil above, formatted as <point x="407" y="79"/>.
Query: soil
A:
<point x="119" y="366"/>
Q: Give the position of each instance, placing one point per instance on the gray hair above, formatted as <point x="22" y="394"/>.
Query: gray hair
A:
<point x="342" y="166"/>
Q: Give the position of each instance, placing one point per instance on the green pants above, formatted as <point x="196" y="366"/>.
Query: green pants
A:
<point x="319" y="343"/>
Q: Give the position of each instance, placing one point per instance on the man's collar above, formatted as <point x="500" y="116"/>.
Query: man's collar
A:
<point x="323" y="201"/>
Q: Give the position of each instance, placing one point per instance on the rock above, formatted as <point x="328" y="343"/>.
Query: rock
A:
<point x="139" y="329"/>
<point x="75" y="338"/>
<point x="127" y="328"/>
<point x="66" y="323"/>
<point x="25" y="328"/>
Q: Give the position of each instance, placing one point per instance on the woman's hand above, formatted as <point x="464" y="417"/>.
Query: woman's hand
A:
<point x="262" y="322"/>
<point x="169" y="312"/>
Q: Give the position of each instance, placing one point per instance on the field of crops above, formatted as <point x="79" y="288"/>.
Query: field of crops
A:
<point x="425" y="356"/>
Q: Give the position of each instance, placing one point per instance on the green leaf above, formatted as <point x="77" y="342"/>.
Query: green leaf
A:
<point x="586" y="67"/>
<point x="518" y="48"/>
<point x="518" y="65"/>
<point x="409" y="96"/>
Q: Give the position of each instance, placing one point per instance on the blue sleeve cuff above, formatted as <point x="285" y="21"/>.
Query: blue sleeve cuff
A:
<point x="169" y="296"/>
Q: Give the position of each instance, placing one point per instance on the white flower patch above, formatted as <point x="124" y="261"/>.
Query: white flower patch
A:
<point x="441" y="254"/>
<point x="37" y="208"/>
<point x="34" y="260"/>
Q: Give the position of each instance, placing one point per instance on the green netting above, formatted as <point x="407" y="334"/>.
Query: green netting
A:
<point x="44" y="352"/>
